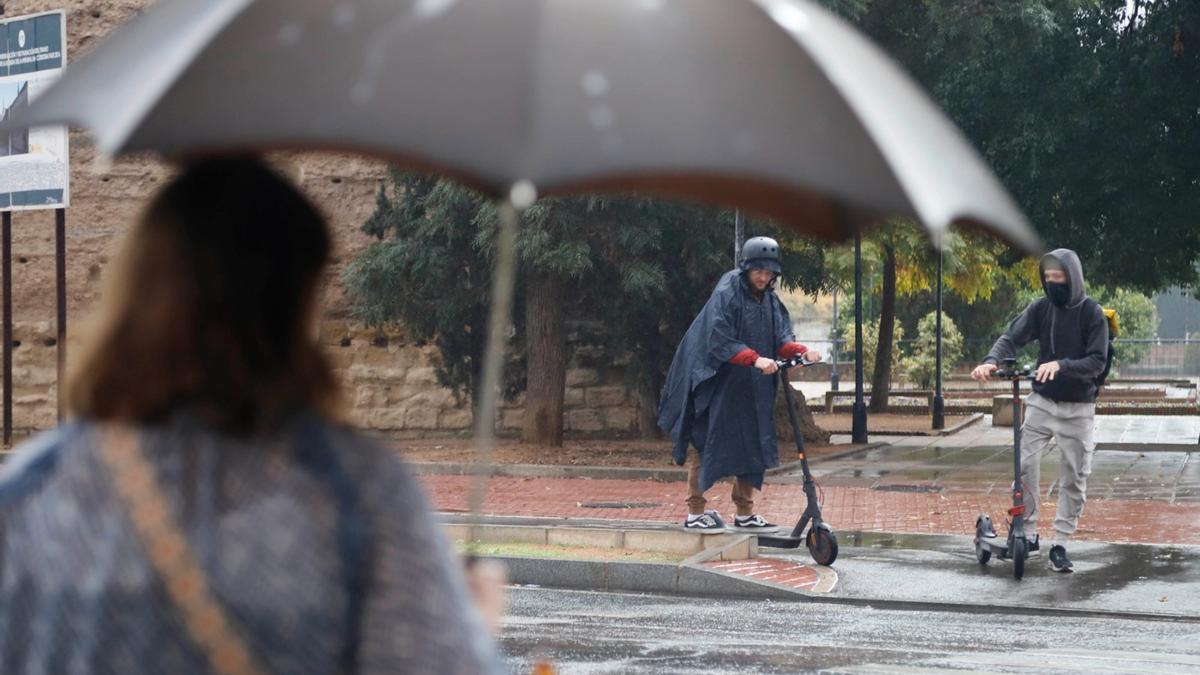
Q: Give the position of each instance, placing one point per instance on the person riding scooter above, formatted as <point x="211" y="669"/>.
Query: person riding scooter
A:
<point x="719" y="396"/>
<point x="1072" y="334"/>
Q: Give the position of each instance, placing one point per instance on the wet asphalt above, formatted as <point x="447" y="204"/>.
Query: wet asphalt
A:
<point x="592" y="633"/>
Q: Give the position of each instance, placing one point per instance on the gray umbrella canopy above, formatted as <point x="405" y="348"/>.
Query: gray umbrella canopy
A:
<point x="774" y="106"/>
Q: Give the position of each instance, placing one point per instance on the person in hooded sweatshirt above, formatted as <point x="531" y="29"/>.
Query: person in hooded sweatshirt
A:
<point x="1072" y="335"/>
<point x="719" y="396"/>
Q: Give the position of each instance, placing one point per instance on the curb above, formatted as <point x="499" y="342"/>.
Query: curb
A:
<point x="656" y="578"/>
<point x="687" y="545"/>
<point x="601" y="472"/>
<point x="691" y="578"/>
<point x="1149" y="447"/>
<point x="973" y="417"/>
<point x="667" y="579"/>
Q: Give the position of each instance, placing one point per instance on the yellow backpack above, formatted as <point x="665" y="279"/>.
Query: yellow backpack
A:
<point x="1114" y="329"/>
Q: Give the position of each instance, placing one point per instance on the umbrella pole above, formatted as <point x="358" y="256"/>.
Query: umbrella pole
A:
<point x="503" y="281"/>
<point x="939" y="403"/>
<point x="739" y="237"/>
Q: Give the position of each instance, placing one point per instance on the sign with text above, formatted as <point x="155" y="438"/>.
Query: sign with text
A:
<point x="35" y="169"/>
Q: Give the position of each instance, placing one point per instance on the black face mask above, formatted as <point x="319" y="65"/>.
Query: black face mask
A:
<point x="1058" y="293"/>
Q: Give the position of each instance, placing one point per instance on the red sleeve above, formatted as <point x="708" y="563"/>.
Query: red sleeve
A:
<point x="790" y="349"/>
<point x="746" y="357"/>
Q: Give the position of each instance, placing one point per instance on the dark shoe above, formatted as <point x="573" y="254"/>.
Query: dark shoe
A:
<point x="703" y="523"/>
<point x="1059" y="562"/>
<point x="715" y="516"/>
<point x="755" y="523"/>
<point x="1033" y="546"/>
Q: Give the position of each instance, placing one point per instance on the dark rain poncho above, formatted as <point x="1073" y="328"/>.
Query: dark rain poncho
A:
<point x="726" y="410"/>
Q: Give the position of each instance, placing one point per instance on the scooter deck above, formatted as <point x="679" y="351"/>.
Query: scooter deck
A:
<point x="778" y="541"/>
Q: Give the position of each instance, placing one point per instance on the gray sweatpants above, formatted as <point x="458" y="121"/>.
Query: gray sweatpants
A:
<point x="1070" y="425"/>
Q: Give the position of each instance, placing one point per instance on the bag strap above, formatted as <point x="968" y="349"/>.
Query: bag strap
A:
<point x="206" y="621"/>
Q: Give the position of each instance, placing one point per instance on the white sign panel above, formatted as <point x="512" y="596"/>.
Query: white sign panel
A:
<point x="35" y="170"/>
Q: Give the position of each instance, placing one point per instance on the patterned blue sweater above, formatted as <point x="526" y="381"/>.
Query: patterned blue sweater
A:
<point x="317" y="542"/>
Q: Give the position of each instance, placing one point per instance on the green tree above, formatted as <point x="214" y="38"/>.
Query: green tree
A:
<point x="921" y="366"/>
<point x="639" y="268"/>
<point x="1138" y="320"/>
<point x="901" y="258"/>
<point x="1085" y="109"/>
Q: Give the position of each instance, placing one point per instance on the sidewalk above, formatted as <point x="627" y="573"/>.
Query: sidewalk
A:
<point x="918" y="485"/>
<point x="952" y="511"/>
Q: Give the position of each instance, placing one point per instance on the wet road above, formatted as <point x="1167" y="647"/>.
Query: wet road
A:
<point x="587" y="632"/>
<point x="1107" y="577"/>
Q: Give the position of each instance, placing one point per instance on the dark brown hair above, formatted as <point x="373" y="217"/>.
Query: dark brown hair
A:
<point x="210" y="304"/>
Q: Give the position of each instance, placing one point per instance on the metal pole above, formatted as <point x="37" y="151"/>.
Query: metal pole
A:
<point x="833" y="356"/>
<point x="6" y="272"/>
<point x="859" y="424"/>
<point x="739" y="237"/>
<point x="939" y="403"/>
<point x="60" y="286"/>
<point x="503" y="280"/>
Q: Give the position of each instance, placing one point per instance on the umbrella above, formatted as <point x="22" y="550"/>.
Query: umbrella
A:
<point x="774" y="106"/>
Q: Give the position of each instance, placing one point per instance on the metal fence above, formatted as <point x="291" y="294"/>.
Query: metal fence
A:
<point x="1135" y="358"/>
<point x="1155" y="358"/>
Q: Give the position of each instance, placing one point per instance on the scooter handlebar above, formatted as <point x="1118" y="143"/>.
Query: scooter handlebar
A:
<point x="1028" y="372"/>
<point x="795" y="362"/>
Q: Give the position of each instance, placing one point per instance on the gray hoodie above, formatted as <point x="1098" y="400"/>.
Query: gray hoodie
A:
<point x="1075" y="335"/>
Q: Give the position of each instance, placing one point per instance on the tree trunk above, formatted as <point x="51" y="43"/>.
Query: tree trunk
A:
<point x="808" y="426"/>
<point x="649" y="377"/>
<point x="881" y="379"/>
<point x="546" y="345"/>
<point x="647" y="399"/>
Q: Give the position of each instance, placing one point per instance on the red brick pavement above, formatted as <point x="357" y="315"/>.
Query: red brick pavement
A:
<point x="785" y="572"/>
<point x="846" y="508"/>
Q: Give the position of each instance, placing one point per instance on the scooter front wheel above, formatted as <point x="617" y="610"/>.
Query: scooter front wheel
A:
<point x="822" y="545"/>
<point x="1019" y="553"/>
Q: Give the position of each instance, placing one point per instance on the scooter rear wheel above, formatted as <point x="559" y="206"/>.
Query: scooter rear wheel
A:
<point x="822" y="545"/>
<point x="1019" y="553"/>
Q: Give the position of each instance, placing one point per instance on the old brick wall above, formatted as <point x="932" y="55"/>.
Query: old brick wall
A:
<point x="389" y="381"/>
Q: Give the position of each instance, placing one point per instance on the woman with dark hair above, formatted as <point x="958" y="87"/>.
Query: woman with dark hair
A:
<point x="206" y="512"/>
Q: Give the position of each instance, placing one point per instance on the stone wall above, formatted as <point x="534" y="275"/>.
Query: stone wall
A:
<point x="389" y="381"/>
<point x="391" y="386"/>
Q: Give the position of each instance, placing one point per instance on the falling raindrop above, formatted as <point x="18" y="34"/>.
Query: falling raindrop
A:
<point x="595" y="83"/>
<point x="290" y="34"/>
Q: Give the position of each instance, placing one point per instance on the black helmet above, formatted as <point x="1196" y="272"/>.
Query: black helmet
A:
<point x="761" y="253"/>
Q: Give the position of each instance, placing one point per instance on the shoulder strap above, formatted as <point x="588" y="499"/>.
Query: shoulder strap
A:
<point x="1093" y="307"/>
<point x="204" y="619"/>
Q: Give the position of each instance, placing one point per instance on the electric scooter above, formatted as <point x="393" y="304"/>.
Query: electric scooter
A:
<point x="1015" y="547"/>
<point x="820" y="540"/>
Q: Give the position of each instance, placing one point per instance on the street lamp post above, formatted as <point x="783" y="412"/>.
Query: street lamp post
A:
<point x="833" y="356"/>
<point x="859" y="425"/>
<point x="939" y="403"/>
